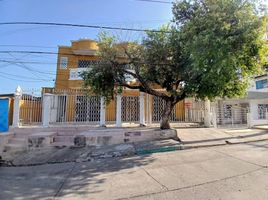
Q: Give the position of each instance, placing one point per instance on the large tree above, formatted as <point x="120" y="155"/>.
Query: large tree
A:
<point x="211" y="50"/>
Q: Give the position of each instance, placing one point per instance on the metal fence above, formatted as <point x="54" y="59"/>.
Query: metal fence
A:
<point x="231" y="114"/>
<point x="76" y="107"/>
<point x="31" y="108"/>
<point x="130" y="106"/>
<point x="190" y="111"/>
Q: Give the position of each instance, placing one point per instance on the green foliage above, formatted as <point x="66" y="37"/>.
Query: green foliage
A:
<point x="213" y="50"/>
<point x="223" y="40"/>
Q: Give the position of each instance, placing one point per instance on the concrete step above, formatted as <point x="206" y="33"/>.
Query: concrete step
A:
<point x="43" y="134"/>
<point x="15" y="147"/>
<point x="61" y="138"/>
<point x="261" y="127"/>
<point x="68" y="133"/>
<point x="16" y="140"/>
<point x="62" y="144"/>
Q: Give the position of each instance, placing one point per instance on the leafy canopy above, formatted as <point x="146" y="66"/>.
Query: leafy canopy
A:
<point x="212" y="50"/>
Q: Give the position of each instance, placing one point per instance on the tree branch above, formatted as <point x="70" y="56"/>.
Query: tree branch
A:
<point x="144" y="86"/>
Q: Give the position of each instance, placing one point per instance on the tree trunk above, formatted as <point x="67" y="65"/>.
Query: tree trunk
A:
<point x="164" y="124"/>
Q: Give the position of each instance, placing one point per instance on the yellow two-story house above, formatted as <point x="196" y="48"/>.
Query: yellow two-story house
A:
<point x="72" y="105"/>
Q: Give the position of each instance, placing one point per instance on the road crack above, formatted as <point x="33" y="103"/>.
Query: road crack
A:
<point x="192" y="186"/>
<point x="162" y="185"/>
<point x="234" y="157"/>
<point x="64" y="181"/>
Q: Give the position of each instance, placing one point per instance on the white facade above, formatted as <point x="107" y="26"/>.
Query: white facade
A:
<point x="259" y="84"/>
<point x="258" y="112"/>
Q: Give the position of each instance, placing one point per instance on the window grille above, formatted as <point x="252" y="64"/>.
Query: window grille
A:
<point x="63" y="62"/>
<point x="87" y="63"/>
<point x="227" y="111"/>
<point x="262" y="109"/>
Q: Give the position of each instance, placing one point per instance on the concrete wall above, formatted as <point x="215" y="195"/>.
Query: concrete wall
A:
<point x="254" y="112"/>
<point x="4" y="138"/>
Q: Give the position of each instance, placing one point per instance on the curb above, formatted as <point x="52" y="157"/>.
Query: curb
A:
<point x="182" y="147"/>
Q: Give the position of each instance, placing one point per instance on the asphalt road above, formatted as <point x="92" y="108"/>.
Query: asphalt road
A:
<point x="228" y="172"/>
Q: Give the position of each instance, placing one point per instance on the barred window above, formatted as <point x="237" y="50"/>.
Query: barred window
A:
<point x="63" y="62"/>
<point x="87" y="63"/>
<point x="262" y="109"/>
<point x="227" y="111"/>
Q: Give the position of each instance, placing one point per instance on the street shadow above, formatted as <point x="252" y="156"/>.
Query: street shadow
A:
<point x="60" y="180"/>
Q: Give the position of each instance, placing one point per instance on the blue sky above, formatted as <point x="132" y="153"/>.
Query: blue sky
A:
<point x="119" y="13"/>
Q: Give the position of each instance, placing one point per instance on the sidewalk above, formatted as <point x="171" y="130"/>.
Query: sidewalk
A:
<point x="189" y="138"/>
<point x="205" y="137"/>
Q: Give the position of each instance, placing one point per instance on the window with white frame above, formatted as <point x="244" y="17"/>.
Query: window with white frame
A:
<point x="63" y="62"/>
<point x="262" y="109"/>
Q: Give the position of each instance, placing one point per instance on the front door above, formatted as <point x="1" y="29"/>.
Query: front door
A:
<point x="4" y="115"/>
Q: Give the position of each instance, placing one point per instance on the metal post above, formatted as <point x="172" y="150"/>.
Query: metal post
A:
<point x="16" y="111"/>
<point x="102" y="112"/>
<point x="118" y="110"/>
<point x="150" y="112"/>
<point x="142" y="110"/>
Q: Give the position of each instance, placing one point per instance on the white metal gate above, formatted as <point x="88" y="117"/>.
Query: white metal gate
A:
<point x="194" y="111"/>
<point x="75" y="108"/>
<point x="87" y="109"/>
<point x="130" y="109"/>
<point x="158" y="108"/>
<point x="231" y="114"/>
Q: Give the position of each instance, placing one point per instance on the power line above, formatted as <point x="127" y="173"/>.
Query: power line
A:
<point x="25" y="77"/>
<point x="35" y="52"/>
<point x="30" y="69"/>
<point x="28" y="62"/>
<point x="20" y="79"/>
<point x="27" y="46"/>
<point x="61" y="54"/>
<point x="83" y="26"/>
<point x="25" y="67"/>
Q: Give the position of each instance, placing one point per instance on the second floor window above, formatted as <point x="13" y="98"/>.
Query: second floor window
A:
<point x="87" y="63"/>
<point x="63" y="62"/>
<point x="261" y="84"/>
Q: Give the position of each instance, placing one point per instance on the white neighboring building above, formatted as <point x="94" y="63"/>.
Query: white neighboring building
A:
<point x="260" y="84"/>
<point x="249" y="111"/>
<point x="258" y="101"/>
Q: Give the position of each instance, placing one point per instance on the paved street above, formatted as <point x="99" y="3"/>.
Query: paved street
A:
<point x="227" y="172"/>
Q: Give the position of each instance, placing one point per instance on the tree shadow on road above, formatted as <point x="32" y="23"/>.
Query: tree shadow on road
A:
<point x="68" y="179"/>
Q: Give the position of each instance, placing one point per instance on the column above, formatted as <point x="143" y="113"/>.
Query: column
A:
<point x="207" y="114"/>
<point x="46" y="107"/>
<point x="149" y="109"/>
<point x="16" y="107"/>
<point x="142" y="110"/>
<point x="118" y="110"/>
<point x="102" y="112"/>
<point x="214" y="116"/>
